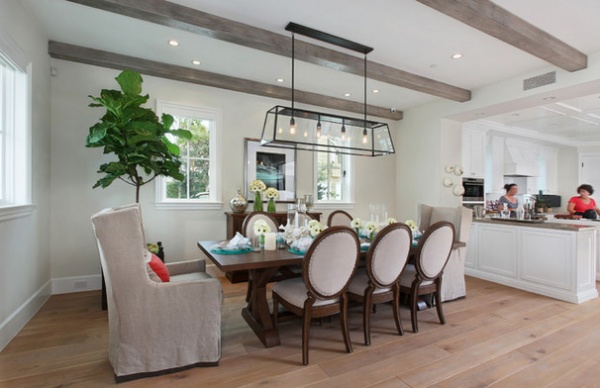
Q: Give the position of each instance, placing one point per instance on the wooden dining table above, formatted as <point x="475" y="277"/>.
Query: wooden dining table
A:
<point x="262" y="266"/>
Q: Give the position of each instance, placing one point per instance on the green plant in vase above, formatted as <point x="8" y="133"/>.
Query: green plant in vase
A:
<point x="357" y="224"/>
<point x="271" y="193"/>
<point x="257" y="187"/>
<point x="260" y="229"/>
<point x="372" y="230"/>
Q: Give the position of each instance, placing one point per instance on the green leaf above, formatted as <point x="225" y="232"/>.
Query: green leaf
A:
<point x="181" y="133"/>
<point x="130" y="82"/>
<point x="167" y="120"/>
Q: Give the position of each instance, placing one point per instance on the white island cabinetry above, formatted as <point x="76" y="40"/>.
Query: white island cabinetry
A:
<point x="558" y="261"/>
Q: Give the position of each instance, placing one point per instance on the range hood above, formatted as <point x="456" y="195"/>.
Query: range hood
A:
<point x="521" y="158"/>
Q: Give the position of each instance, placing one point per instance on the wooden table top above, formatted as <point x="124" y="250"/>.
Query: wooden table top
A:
<point x="251" y="260"/>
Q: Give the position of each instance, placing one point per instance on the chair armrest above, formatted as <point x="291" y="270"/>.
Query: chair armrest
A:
<point x="180" y="267"/>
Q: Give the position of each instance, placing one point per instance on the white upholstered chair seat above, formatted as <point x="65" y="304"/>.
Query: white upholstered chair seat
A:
<point x="361" y="281"/>
<point x="295" y="292"/>
<point x="409" y="274"/>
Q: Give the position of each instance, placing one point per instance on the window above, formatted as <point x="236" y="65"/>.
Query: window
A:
<point x="333" y="179"/>
<point x="201" y="186"/>
<point x="15" y="160"/>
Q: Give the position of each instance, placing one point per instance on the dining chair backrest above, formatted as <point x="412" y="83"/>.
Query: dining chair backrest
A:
<point x="339" y="218"/>
<point x="388" y="254"/>
<point x="434" y="250"/>
<point x="330" y="262"/>
<point x="250" y="220"/>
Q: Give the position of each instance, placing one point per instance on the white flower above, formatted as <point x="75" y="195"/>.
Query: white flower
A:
<point x="391" y="220"/>
<point x="316" y="228"/>
<point x="313" y="222"/>
<point x="412" y="225"/>
<point x="257" y="185"/>
<point x="371" y="227"/>
<point x="271" y="193"/>
<point x="357" y="223"/>
<point x="261" y="228"/>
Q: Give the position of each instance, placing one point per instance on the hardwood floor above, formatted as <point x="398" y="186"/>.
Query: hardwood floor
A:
<point x="496" y="336"/>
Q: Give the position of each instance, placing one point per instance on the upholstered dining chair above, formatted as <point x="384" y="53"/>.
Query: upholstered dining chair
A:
<point x="425" y="275"/>
<point x="328" y="266"/>
<point x="155" y="327"/>
<point x="379" y="281"/>
<point x="339" y="217"/>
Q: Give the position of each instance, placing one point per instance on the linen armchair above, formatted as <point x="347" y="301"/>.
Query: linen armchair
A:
<point x="453" y="284"/>
<point x="154" y="327"/>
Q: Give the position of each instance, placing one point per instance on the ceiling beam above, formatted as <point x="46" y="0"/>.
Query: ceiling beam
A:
<point x="121" y="62"/>
<point x="493" y="20"/>
<point x="202" y="23"/>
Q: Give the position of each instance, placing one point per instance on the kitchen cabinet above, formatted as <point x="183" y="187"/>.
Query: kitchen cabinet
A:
<point x="473" y="152"/>
<point x="556" y="260"/>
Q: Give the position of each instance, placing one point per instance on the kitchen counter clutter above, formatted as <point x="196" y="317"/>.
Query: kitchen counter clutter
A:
<point x="554" y="258"/>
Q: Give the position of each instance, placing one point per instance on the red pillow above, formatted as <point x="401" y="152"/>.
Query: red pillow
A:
<point x="159" y="268"/>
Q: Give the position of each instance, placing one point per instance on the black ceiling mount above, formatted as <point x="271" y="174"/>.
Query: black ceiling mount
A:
<point x="328" y="38"/>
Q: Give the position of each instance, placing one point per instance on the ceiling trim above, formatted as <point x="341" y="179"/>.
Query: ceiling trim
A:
<point x="493" y="20"/>
<point x="202" y="23"/>
<point x="117" y="61"/>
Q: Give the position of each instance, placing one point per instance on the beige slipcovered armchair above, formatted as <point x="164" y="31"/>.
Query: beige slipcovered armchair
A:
<point x="453" y="279"/>
<point x="154" y="327"/>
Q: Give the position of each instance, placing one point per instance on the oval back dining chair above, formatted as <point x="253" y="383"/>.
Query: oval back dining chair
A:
<point x="248" y="224"/>
<point x="328" y="266"/>
<point x="379" y="281"/>
<point x="339" y="218"/>
<point x="425" y="275"/>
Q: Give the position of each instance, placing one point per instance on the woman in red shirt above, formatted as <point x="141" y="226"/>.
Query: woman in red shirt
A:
<point x="583" y="205"/>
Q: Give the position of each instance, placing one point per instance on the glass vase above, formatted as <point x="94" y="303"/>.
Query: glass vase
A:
<point x="271" y="206"/>
<point x="258" y="205"/>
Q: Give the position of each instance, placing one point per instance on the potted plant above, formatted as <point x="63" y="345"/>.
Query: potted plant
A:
<point x="135" y="135"/>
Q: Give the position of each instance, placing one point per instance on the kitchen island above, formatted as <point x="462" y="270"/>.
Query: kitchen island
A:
<point x="553" y="259"/>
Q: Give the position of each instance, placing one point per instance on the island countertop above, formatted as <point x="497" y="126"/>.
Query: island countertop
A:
<point x="572" y="226"/>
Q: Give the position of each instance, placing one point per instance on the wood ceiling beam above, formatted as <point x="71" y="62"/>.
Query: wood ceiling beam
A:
<point x="493" y="20"/>
<point x="121" y="62"/>
<point x="201" y="23"/>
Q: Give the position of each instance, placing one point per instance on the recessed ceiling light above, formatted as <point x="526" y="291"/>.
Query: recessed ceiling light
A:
<point x="196" y="62"/>
<point x="375" y="90"/>
<point x="347" y="94"/>
<point x="279" y="80"/>
<point x="457" y="56"/>
<point x="174" y="43"/>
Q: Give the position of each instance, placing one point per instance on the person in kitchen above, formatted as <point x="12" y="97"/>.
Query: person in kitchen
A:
<point x="582" y="204"/>
<point x="509" y="200"/>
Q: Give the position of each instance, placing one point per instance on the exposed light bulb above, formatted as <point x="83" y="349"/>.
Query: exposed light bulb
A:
<point x="343" y="132"/>
<point x="292" y="126"/>
<point x="280" y="130"/>
<point x="365" y="139"/>
<point x="305" y="133"/>
<point x="319" y="128"/>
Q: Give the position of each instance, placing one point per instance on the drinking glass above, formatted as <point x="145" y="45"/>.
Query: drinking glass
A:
<point x="292" y="209"/>
<point x="308" y="200"/>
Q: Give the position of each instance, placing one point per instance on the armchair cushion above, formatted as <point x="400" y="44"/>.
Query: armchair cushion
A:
<point x="159" y="268"/>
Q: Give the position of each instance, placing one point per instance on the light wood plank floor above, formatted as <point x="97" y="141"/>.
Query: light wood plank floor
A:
<point x="497" y="336"/>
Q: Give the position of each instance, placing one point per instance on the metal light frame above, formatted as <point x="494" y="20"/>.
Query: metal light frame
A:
<point x="293" y="128"/>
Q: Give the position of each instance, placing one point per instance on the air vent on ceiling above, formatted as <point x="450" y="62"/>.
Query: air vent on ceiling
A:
<point x="539" y="80"/>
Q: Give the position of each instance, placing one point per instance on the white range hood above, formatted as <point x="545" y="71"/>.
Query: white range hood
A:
<point x="521" y="159"/>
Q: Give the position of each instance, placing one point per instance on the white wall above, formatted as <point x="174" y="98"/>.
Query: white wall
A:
<point x="25" y="258"/>
<point x="73" y="169"/>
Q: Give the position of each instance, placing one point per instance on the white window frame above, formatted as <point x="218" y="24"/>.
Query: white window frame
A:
<point x="213" y="201"/>
<point x="347" y="202"/>
<point x="15" y="135"/>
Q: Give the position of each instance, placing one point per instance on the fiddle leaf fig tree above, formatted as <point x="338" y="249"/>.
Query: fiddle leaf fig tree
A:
<point x="135" y="135"/>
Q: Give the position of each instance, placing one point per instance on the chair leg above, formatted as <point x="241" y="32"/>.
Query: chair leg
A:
<point x="344" y="323"/>
<point x="305" y="335"/>
<point x="414" y="296"/>
<point x="396" y="310"/>
<point x="275" y="312"/>
<point x="438" y="305"/>
<point x="367" y="317"/>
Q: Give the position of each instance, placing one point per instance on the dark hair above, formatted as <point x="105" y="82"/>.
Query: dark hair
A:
<point x="587" y="188"/>
<point x="509" y="186"/>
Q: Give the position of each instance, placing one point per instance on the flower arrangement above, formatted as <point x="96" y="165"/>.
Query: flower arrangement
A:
<point x="271" y="193"/>
<point x="257" y="187"/>
<point x="412" y="225"/>
<point x="391" y="221"/>
<point x="357" y="224"/>
<point x="371" y="229"/>
<point x="260" y="229"/>
<point x="300" y="238"/>
<point x="315" y="227"/>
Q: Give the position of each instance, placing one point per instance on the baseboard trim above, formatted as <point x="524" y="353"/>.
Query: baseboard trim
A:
<point x="19" y="318"/>
<point x="76" y="284"/>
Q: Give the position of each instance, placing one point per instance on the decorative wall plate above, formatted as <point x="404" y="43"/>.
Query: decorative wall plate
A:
<point x="448" y="182"/>
<point x="458" y="170"/>
<point x="449" y="169"/>
<point x="458" y="190"/>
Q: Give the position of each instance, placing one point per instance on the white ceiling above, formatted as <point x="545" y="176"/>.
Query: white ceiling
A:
<point x="405" y="34"/>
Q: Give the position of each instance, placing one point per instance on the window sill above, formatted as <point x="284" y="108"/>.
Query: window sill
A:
<point x="10" y="212"/>
<point x="334" y="205"/>
<point x="188" y="205"/>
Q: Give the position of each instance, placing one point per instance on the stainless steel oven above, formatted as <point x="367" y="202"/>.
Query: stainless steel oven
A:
<point x="474" y="191"/>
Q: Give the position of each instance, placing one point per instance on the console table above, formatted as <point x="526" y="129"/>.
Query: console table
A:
<point x="234" y="224"/>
